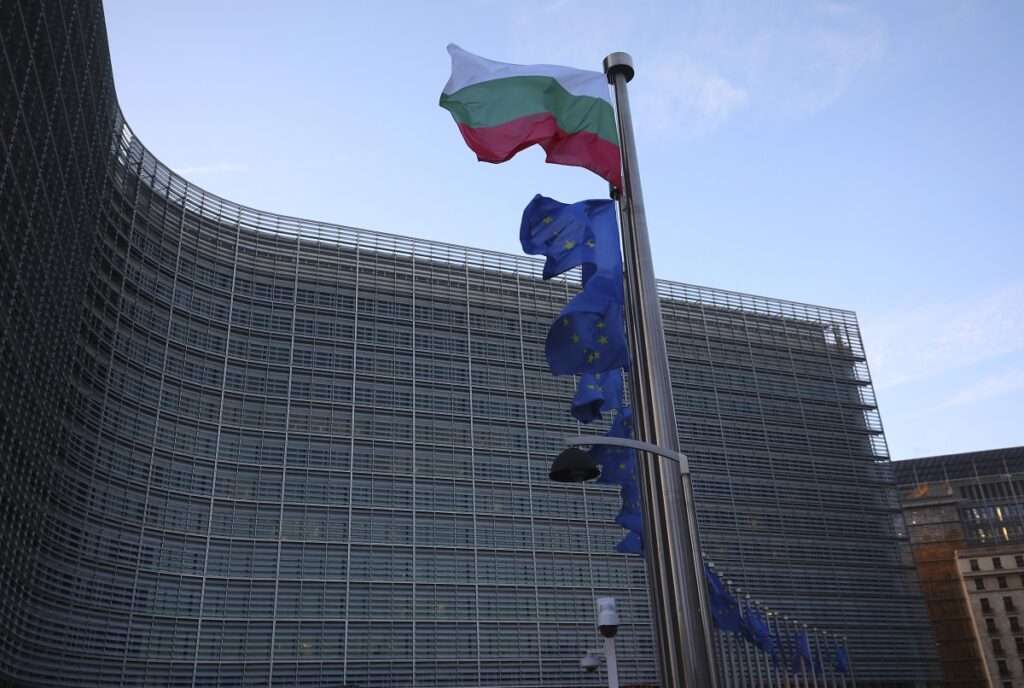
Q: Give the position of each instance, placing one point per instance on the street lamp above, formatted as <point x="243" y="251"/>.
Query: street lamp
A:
<point x="574" y="465"/>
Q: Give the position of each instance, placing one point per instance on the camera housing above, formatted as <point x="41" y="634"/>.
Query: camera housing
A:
<point x="590" y="662"/>
<point x="607" y="617"/>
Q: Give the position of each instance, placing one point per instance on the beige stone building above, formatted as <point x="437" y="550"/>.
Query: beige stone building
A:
<point x="993" y="583"/>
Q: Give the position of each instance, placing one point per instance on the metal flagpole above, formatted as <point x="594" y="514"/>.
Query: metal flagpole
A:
<point x="810" y="646"/>
<point x="723" y="674"/>
<point x="748" y="661"/>
<point x="849" y="662"/>
<point x="753" y="660"/>
<point x="735" y="659"/>
<point x="679" y="606"/>
<point x="835" y="648"/>
<point x="809" y="677"/>
<point x="827" y="674"/>
<point x="777" y="666"/>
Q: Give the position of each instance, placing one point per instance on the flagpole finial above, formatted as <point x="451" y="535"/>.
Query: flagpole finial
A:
<point x="619" y="62"/>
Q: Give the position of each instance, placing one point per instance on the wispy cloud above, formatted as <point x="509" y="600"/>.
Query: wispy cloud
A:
<point x="702" y="63"/>
<point x="911" y="345"/>
<point x="212" y="169"/>
<point x="687" y="95"/>
<point x="990" y="387"/>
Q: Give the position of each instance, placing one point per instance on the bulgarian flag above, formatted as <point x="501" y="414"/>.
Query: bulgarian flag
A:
<point x="503" y="108"/>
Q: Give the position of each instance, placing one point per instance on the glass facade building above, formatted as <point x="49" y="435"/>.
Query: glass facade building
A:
<point x="246" y="449"/>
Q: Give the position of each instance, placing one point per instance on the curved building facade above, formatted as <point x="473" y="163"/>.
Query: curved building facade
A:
<point x="246" y="449"/>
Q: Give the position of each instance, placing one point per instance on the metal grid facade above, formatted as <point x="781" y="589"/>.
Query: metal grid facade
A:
<point x="250" y="449"/>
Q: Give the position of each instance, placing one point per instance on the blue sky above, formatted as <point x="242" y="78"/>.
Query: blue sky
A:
<point x="860" y="155"/>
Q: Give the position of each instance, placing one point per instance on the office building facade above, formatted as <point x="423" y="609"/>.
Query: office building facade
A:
<point x="964" y="515"/>
<point x="246" y="449"/>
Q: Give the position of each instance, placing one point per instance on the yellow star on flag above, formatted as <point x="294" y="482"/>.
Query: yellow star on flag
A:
<point x="548" y="220"/>
<point x="602" y="340"/>
<point x="575" y="339"/>
<point x="569" y="245"/>
<point x="591" y="243"/>
<point x="565" y="322"/>
<point x="600" y="324"/>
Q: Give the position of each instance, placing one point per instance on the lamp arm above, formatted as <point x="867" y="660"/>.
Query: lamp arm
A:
<point x="597" y="440"/>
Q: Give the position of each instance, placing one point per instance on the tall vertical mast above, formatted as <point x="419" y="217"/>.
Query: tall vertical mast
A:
<point x="674" y="564"/>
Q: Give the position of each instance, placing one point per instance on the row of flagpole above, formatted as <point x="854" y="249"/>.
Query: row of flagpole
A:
<point x="785" y="653"/>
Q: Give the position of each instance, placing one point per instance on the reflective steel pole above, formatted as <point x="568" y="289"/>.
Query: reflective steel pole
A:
<point x="675" y="577"/>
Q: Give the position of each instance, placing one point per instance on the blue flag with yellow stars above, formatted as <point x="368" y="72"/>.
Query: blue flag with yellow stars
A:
<point x="597" y="393"/>
<point x="618" y="464"/>
<point x="569" y="235"/>
<point x="725" y="611"/>
<point x="629" y="516"/>
<point x="589" y="335"/>
<point x="803" y="657"/>
<point x="633" y="543"/>
<point x="841" y="661"/>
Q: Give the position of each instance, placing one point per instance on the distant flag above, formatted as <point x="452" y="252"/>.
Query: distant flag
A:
<point x="596" y="394"/>
<point x="725" y="611"/>
<point x="503" y="108"/>
<point x="760" y="632"/>
<point x="569" y="235"/>
<point x="803" y="659"/>
<point x="841" y="661"/>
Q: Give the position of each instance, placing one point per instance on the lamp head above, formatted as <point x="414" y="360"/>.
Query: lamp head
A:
<point x="574" y="465"/>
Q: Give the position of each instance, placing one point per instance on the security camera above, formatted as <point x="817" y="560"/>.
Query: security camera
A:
<point x="590" y="662"/>
<point x="607" y="617"/>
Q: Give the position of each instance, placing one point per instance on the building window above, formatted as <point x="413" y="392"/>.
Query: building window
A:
<point x="1003" y="669"/>
<point x="1014" y="625"/>
<point x="1019" y="561"/>
<point x="985" y="606"/>
<point x="1008" y="604"/>
<point x="997" y="563"/>
<point x="990" y="626"/>
<point x="979" y="583"/>
<point x="974" y="565"/>
<point x="997" y="647"/>
<point x="1002" y="581"/>
<point x="1020" y="645"/>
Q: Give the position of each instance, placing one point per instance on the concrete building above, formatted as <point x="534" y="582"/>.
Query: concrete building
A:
<point x="993" y="585"/>
<point x="964" y="515"/>
<point x="246" y="449"/>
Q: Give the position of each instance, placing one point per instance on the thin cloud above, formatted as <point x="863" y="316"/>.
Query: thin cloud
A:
<point x="990" y="387"/>
<point x="691" y="97"/>
<point x="908" y="346"/>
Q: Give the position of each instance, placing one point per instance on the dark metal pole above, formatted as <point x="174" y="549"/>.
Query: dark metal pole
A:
<point x="675" y="577"/>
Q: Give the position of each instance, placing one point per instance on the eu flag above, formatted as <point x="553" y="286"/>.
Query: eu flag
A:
<point x="633" y="543"/>
<point x="587" y="338"/>
<point x="725" y="611"/>
<point x="803" y="659"/>
<point x="841" y="662"/>
<point x="597" y="393"/>
<point x="760" y="632"/>
<point x="618" y="464"/>
<point x="584" y="233"/>
<point x="630" y="516"/>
